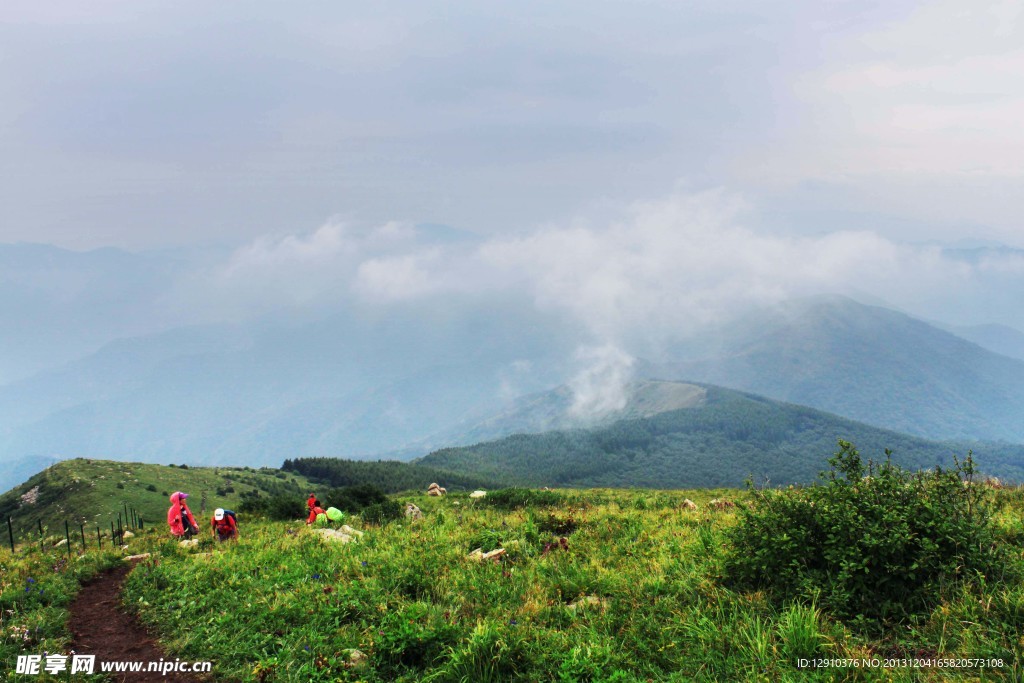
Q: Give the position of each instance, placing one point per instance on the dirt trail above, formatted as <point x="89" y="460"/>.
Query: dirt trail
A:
<point x="101" y="627"/>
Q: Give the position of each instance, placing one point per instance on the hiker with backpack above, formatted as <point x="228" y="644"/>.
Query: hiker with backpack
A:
<point x="315" y="512"/>
<point x="179" y="517"/>
<point x="224" y="525"/>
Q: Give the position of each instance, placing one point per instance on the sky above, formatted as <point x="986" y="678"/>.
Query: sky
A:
<point x="143" y="124"/>
<point x="635" y="166"/>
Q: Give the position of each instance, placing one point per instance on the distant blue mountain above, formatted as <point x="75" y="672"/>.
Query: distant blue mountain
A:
<point x="863" y="362"/>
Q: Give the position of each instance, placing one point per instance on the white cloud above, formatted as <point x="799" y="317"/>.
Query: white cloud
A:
<point x="657" y="271"/>
<point x="917" y="119"/>
<point x="602" y="386"/>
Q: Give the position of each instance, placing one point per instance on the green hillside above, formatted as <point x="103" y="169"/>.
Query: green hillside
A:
<point x="720" y="441"/>
<point x="389" y="476"/>
<point x="638" y="592"/>
<point x="92" y="492"/>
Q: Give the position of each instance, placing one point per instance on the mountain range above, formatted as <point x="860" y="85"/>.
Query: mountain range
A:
<point x="681" y="435"/>
<point x="355" y="382"/>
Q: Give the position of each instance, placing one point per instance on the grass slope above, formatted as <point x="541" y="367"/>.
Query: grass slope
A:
<point x="636" y="596"/>
<point x="92" y="492"/>
<point x="722" y="440"/>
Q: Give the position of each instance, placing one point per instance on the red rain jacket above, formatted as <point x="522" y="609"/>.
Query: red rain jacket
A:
<point x="225" y="527"/>
<point x="178" y="509"/>
<point x="313" y="512"/>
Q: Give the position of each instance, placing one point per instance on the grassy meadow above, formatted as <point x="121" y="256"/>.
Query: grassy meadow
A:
<point x="638" y="594"/>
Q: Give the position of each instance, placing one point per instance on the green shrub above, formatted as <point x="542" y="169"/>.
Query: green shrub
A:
<point x="353" y="499"/>
<point x="382" y="513"/>
<point x="513" y="498"/>
<point x="151" y="487"/>
<point x="870" y="540"/>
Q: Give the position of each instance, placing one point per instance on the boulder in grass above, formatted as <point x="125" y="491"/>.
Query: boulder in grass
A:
<point x="588" y="601"/>
<point x="346" y="529"/>
<point x="413" y="512"/>
<point x="334" y="535"/>
<point x="478" y="494"/>
<point x="134" y="558"/>
<point x="721" y="504"/>
<point x="128" y="534"/>
<point x="435" y="490"/>
<point x="689" y="505"/>
<point x="354" y="659"/>
<point x="494" y="554"/>
<point x="479" y="555"/>
<point x="191" y="543"/>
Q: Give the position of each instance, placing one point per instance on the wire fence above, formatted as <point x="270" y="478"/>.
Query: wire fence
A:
<point x="128" y="520"/>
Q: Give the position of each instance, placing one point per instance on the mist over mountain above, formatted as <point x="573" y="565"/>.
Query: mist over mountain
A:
<point x="356" y="340"/>
<point x="1001" y="339"/>
<point x="345" y="385"/>
<point x="863" y="362"/>
<point x="63" y="305"/>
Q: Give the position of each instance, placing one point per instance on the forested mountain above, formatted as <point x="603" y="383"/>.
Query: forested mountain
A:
<point x="863" y="362"/>
<point x="718" y="441"/>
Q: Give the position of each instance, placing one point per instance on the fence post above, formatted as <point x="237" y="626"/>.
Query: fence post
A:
<point x="10" y="532"/>
<point x="67" y="536"/>
<point x="99" y="539"/>
<point x="81" y="527"/>
<point x="112" y="537"/>
<point x="125" y="515"/>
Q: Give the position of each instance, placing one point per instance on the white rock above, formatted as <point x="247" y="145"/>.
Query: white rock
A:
<point x="334" y="535"/>
<point x="478" y="494"/>
<point x="356" y="659"/>
<point x="588" y="601"/>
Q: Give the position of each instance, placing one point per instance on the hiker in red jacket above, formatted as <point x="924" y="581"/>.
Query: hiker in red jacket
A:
<point x="311" y="502"/>
<point x="179" y="517"/>
<point x="315" y="511"/>
<point x="224" y="526"/>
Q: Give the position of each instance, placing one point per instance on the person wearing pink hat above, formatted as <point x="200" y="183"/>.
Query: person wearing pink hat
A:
<point x="179" y="517"/>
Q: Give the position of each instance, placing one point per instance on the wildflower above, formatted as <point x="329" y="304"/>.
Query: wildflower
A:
<point x="364" y="563"/>
<point x="316" y="576"/>
<point x="513" y="622"/>
<point x="31" y="580"/>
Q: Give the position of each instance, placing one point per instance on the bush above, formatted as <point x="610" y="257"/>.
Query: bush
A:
<point x="281" y="508"/>
<point x="513" y="498"/>
<point x="353" y="499"/>
<point x="151" y="487"/>
<point x="868" y="541"/>
<point x="382" y="513"/>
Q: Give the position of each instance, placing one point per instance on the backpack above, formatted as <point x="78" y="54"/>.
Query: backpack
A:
<point x="231" y="514"/>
